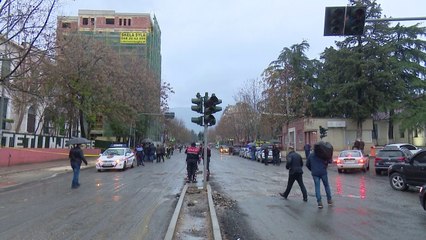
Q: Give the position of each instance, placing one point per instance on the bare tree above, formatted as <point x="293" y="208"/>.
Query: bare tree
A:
<point x="248" y="100"/>
<point x="28" y="22"/>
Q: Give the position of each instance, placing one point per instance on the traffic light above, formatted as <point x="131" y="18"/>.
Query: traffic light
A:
<point x="210" y="108"/>
<point x="198" y="120"/>
<point x="198" y="101"/>
<point x="334" y="24"/>
<point x="355" y="20"/>
<point x="169" y="115"/>
<point x="323" y="132"/>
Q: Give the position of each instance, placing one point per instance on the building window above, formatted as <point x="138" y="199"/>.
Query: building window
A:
<point x="120" y="21"/>
<point x="5" y="104"/>
<point x="109" y="21"/>
<point x="31" y="120"/>
<point x="125" y="20"/>
<point x="66" y="25"/>
<point x="129" y="21"/>
<point x="92" y="20"/>
<point x="85" y="21"/>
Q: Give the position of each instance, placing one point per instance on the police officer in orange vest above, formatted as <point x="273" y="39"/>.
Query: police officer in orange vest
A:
<point x="192" y="158"/>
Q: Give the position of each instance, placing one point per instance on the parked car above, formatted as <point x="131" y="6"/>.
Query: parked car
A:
<point x="260" y="155"/>
<point x="410" y="173"/>
<point x="422" y="196"/>
<point x="242" y="151"/>
<point x="235" y="150"/>
<point x="413" y="149"/>
<point x="117" y="156"/>
<point x="386" y="157"/>
<point x="352" y="159"/>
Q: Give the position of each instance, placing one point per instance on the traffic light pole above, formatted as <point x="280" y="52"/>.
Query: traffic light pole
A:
<point x="205" y="159"/>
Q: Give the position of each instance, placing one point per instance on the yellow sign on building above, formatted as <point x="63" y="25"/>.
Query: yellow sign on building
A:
<point x="133" y="37"/>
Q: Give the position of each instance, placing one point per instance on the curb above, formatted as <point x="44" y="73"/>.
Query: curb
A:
<point x="213" y="217"/>
<point x="173" y="222"/>
<point x="215" y="224"/>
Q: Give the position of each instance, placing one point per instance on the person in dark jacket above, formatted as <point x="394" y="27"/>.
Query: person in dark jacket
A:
<point x="318" y="168"/>
<point x="307" y="149"/>
<point x="76" y="156"/>
<point x="192" y="158"/>
<point x="265" y="155"/>
<point x="294" y="165"/>
<point x="276" y="155"/>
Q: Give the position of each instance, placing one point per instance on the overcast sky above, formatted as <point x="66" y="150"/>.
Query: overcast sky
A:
<point x="215" y="46"/>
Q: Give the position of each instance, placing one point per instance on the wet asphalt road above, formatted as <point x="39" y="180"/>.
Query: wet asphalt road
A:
<point x="139" y="203"/>
<point x="365" y="206"/>
<point x="135" y="204"/>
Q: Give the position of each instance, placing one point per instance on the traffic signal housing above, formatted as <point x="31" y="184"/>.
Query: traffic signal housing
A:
<point x="334" y="24"/>
<point x="210" y="107"/>
<point x="198" y="101"/>
<point x="198" y="120"/>
<point x="344" y="21"/>
<point x="355" y="20"/>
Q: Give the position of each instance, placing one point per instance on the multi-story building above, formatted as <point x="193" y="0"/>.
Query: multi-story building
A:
<point x="136" y="34"/>
<point x="128" y="33"/>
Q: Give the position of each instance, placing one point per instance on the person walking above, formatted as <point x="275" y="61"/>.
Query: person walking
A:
<point x="76" y="156"/>
<point x="192" y="158"/>
<point x="294" y="165"/>
<point x="318" y="167"/>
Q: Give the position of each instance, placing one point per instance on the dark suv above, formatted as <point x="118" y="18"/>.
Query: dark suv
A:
<point x="411" y="173"/>
<point x="388" y="156"/>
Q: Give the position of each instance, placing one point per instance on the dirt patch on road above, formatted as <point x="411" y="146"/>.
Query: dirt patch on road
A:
<point x="233" y="223"/>
<point x="194" y="219"/>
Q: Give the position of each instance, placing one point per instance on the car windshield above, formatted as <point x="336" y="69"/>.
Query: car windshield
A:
<point x="390" y="154"/>
<point x="350" y="154"/>
<point x="112" y="151"/>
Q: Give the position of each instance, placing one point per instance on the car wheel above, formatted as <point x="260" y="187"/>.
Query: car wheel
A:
<point x="133" y="164"/>
<point x="124" y="167"/>
<point x="99" y="170"/>
<point x="378" y="172"/>
<point x="364" y="169"/>
<point x="397" y="182"/>
<point x="339" y="170"/>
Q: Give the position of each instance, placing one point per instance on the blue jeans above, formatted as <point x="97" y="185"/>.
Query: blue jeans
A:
<point x="317" y="181"/>
<point x="76" y="170"/>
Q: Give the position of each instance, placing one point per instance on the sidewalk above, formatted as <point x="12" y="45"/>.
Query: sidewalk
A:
<point x="17" y="156"/>
<point x="16" y="175"/>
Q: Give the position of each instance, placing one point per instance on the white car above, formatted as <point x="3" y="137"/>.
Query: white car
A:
<point x="352" y="159"/>
<point x="116" y="158"/>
